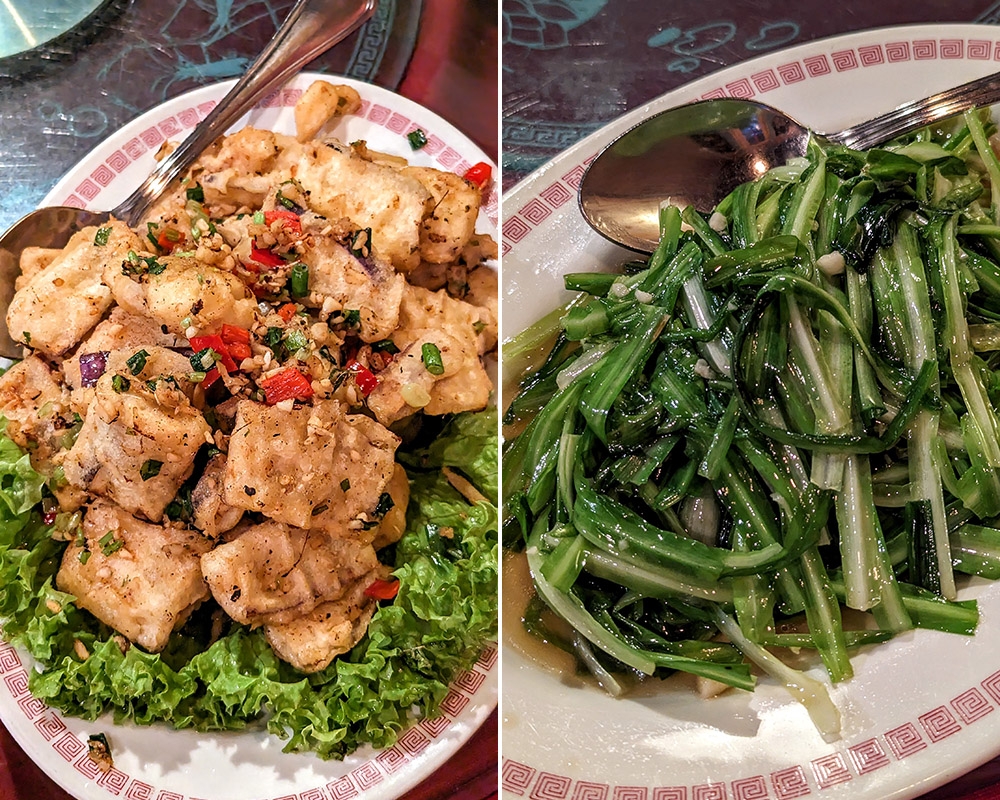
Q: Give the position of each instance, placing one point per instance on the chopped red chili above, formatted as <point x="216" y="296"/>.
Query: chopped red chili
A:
<point x="287" y="311"/>
<point x="232" y="334"/>
<point x="479" y="174"/>
<point x="237" y="341"/>
<point x="290" y="218"/>
<point x="285" y="385"/>
<point x="199" y="343"/>
<point x="169" y="238"/>
<point x="363" y="377"/>
<point x="210" y="377"/>
<point x="266" y="257"/>
<point x="383" y="590"/>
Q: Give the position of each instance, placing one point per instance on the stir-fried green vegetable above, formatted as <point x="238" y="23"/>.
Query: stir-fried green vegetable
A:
<point x="789" y="408"/>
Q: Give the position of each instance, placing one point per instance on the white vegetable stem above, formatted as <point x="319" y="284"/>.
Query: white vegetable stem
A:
<point x="812" y="694"/>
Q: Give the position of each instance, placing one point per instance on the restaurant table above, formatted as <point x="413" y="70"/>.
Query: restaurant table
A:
<point x="63" y="97"/>
<point x="571" y="66"/>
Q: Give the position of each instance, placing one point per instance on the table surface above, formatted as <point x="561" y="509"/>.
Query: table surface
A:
<point x="60" y="100"/>
<point x="571" y="66"/>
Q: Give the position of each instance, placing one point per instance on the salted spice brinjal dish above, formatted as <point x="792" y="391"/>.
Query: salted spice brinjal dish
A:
<point x="249" y="464"/>
<point x="789" y="410"/>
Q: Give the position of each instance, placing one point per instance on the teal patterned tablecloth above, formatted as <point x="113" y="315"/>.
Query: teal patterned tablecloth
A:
<point x="60" y="99"/>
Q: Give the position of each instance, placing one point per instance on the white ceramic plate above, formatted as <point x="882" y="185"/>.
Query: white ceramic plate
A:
<point x="922" y="709"/>
<point x="158" y="763"/>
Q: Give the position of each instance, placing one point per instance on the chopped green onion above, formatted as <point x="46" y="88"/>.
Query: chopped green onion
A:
<point x="204" y="360"/>
<point x="137" y="362"/>
<point x="385" y="346"/>
<point x="299" y="280"/>
<point x="109" y="544"/>
<point x="417" y="139"/>
<point x="431" y="356"/>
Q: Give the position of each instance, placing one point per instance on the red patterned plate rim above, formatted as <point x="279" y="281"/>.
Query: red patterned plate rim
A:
<point x="157" y="763"/>
<point x="928" y="737"/>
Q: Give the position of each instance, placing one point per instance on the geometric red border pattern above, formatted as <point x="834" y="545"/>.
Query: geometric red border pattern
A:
<point x="410" y="744"/>
<point x="526" y="218"/>
<point x="446" y="157"/>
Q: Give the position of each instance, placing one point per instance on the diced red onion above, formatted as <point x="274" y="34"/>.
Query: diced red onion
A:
<point x="92" y="367"/>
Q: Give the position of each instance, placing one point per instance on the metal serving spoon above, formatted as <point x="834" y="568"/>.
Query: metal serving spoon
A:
<point x="312" y="27"/>
<point x="698" y="153"/>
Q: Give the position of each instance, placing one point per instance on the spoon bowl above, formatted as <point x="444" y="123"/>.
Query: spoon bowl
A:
<point x="691" y="155"/>
<point x="696" y="154"/>
<point x="311" y="28"/>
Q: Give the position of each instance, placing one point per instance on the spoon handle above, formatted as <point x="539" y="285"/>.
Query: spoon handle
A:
<point x="312" y="27"/>
<point x="919" y="113"/>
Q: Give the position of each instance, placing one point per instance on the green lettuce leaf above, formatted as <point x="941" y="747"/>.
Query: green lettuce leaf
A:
<point x="469" y="444"/>
<point x="444" y="614"/>
<point x="20" y="485"/>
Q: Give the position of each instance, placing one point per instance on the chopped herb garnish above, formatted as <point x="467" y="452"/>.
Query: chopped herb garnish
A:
<point x="417" y="138"/>
<point x="102" y="236"/>
<point x="385" y="502"/>
<point x="319" y="509"/>
<point x="274" y="339"/>
<point x="204" y="360"/>
<point x="338" y="378"/>
<point x="137" y="362"/>
<point x="361" y="243"/>
<point x="120" y="383"/>
<point x="431" y="356"/>
<point x="150" y="469"/>
<point x="181" y="508"/>
<point x="296" y="340"/>
<point x="84" y="556"/>
<point x="298" y="283"/>
<point x="109" y="544"/>
<point x="273" y="336"/>
<point x="478" y="326"/>
<point x="352" y="317"/>
<point x="26" y="336"/>
<point x="138" y="265"/>
<point x="345" y="485"/>
<point x="151" y="228"/>
<point x="258" y="218"/>
<point x="197" y="376"/>
<point x="385" y="346"/>
<point x="195" y="193"/>
<point x="324" y="351"/>
<point x="288" y="203"/>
